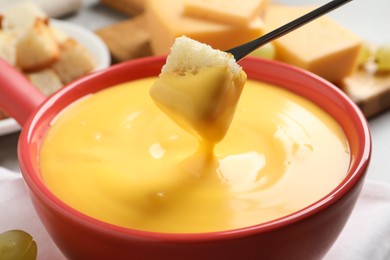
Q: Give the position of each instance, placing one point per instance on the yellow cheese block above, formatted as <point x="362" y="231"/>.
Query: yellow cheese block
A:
<point x="234" y="12"/>
<point x="322" y="46"/>
<point x="166" y="22"/>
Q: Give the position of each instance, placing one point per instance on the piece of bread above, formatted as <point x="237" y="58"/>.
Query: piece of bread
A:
<point x="3" y="115"/>
<point x="199" y="88"/>
<point x="47" y="56"/>
<point x="7" y="47"/>
<point x="129" y="7"/>
<point x="37" y="49"/>
<point x="22" y="16"/>
<point x="74" y="62"/>
<point x="47" y="81"/>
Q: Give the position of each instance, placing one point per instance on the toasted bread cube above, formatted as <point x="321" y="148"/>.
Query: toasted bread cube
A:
<point x="47" y="81"/>
<point x="3" y="115"/>
<point x="36" y="49"/>
<point x="7" y="47"/>
<point x="59" y="36"/>
<point x="75" y="61"/>
<point x="199" y="88"/>
<point x="22" y="16"/>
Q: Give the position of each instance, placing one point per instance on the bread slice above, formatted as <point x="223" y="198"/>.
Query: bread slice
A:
<point x="36" y="49"/>
<point x="199" y="88"/>
<point x="75" y="61"/>
<point x="59" y="36"/>
<point x="46" y="81"/>
<point x="7" y="47"/>
<point x="22" y="16"/>
<point x="3" y="115"/>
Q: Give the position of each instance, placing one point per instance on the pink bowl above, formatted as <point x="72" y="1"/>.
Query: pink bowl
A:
<point x="306" y="234"/>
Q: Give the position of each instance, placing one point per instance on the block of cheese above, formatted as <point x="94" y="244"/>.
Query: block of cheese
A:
<point x="127" y="39"/>
<point x="129" y="7"/>
<point x="321" y="46"/>
<point x="234" y="12"/>
<point x="36" y="49"/>
<point x="166" y="22"/>
<point x="199" y="88"/>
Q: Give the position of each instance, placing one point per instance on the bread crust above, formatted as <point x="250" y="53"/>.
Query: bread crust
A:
<point x="37" y="48"/>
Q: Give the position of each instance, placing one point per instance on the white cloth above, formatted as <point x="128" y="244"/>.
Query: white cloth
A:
<point x="55" y="9"/>
<point x="367" y="232"/>
<point x="365" y="236"/>
<point x="17" y="212"/>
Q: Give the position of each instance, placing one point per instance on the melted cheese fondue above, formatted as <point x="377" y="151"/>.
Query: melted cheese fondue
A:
<point x="116" y="157"/>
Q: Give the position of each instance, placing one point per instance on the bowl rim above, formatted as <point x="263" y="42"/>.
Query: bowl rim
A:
<point x="30" y="171"/>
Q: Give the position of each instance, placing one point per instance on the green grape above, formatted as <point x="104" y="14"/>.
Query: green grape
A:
<point x="266" y="52"/>
<point x="17" y="244"/>
<point x="364" y="55"/>
<point x="382" y="57"/>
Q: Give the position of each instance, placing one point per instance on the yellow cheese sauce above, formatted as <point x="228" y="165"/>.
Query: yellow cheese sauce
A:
<point x="116" y="157"/>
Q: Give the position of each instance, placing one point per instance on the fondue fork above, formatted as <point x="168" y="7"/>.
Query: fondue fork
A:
<point x="243" y="50"/>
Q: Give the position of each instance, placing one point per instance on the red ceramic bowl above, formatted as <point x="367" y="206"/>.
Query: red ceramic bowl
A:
<point x="305" y="234"/>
